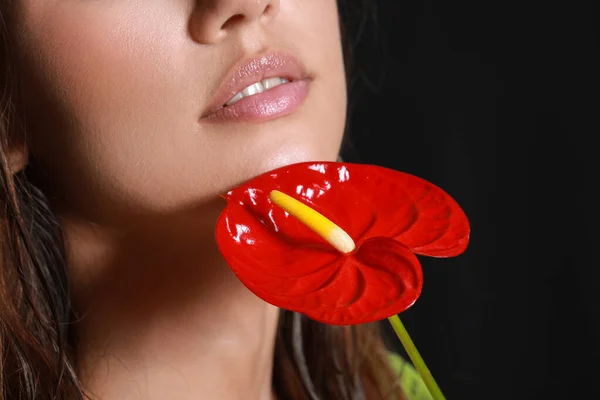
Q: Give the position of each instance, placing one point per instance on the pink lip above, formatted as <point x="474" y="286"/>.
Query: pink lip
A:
<point x="274" y="103"/>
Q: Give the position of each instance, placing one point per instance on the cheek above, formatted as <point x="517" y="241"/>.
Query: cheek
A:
<point x="128" y="107"/>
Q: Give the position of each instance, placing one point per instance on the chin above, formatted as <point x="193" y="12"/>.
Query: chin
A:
<point x="283" y="159"/>
<point x="249" y="168"/>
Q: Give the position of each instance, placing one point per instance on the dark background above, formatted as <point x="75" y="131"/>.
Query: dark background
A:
<point x="495" y="102"/>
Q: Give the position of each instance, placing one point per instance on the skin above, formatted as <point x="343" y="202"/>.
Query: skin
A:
<point x="114" y="91"/>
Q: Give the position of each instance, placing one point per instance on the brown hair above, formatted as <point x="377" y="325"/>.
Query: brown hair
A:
<point x="312" y="360"/>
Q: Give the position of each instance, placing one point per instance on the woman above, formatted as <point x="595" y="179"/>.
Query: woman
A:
<point x="122" y="123"/>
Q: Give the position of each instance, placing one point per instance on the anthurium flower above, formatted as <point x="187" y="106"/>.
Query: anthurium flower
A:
<point x="388" y="218"/>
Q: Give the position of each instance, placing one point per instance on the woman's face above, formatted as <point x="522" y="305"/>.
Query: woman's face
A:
<point x="120" y="97"/>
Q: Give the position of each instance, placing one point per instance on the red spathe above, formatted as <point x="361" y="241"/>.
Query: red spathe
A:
<point x="390" y="215"/>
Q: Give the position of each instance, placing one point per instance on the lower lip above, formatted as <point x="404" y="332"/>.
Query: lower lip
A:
<point x="274" y="103"/>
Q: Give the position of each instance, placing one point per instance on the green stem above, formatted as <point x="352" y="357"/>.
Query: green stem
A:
<point x="416" y="358"/>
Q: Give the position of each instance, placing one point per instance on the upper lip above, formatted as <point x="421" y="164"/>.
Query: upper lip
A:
<point x="251" y="70"/>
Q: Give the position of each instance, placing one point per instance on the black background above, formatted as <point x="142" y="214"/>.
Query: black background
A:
<point x="495" y="102"/>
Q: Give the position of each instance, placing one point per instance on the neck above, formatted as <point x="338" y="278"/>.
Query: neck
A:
<point x="166" y="318"/>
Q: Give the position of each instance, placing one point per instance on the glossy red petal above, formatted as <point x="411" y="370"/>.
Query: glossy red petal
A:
<point x="262" y="257"/>
<point x="366" y="201"/>
<point x="389" y="214"/>
<point x="322" y="186"/>
<point x="432" y="222"/>
<point x="380" y="279"/>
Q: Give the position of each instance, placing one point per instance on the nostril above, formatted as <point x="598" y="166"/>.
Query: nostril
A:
<point x="233" y="20"/>
<point x="269" y="12"/>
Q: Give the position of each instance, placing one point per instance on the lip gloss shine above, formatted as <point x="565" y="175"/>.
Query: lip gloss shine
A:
<point x="270" y="104"/>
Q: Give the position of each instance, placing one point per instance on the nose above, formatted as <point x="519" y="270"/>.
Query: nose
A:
<point x="213" y="20"/>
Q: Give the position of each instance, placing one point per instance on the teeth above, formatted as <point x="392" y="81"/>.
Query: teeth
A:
<point x="235" y="99"/>
<point x="272" y="82"/>
<point x="257" y="88"/>
<point x="253" y="89"/>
